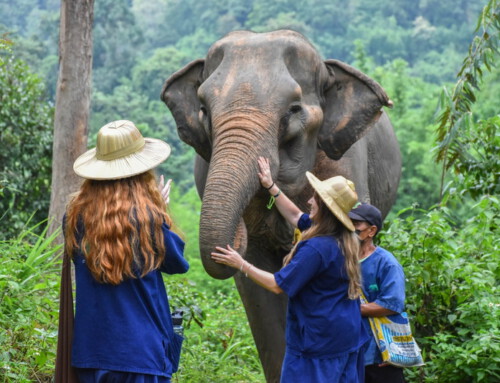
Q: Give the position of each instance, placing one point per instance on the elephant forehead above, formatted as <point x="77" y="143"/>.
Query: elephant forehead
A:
<point x="284" y="74"/>
<point x="281" y="38"/>
<point x="277" y="45"/>
<point x="248" y="84"/>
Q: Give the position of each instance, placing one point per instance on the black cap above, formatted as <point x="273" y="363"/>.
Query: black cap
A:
<point x="368" y="213"/>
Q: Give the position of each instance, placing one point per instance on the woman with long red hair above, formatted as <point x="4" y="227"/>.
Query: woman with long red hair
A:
<point x="117" y="232"/>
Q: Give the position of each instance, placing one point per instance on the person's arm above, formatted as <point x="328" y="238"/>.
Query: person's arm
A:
<point x="230" y="257"/>
<point x="391" y="285"/>
<point x="174" y="261"/>
<point x="285" y="206"/>
<point x="373" y="309"/>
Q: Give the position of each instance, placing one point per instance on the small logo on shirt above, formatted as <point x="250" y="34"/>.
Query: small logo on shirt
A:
<point x="373" y="287"/>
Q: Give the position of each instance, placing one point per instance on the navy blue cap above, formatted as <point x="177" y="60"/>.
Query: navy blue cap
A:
<point x="368" y="213"/>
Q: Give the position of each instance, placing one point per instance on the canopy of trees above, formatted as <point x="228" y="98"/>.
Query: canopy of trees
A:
<point x="412" y="49"/>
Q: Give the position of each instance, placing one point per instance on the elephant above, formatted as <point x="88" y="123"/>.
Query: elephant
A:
<point x="272" y="95"/>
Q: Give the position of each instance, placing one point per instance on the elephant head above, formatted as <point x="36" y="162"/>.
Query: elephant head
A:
<point x="268" y="95"/>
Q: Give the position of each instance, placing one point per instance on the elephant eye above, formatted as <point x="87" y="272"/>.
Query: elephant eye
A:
<point x="205" y="121"/>
<point x="295" y="108"/>
<point x="203" y="115"/>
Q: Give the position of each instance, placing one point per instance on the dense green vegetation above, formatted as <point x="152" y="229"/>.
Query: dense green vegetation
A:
<point x="443" y="229"/>
<point x="26" y="155"/>
<point x="29" y="289"/>
<point x="412" y="49"/>
<point x="452" y="276"/>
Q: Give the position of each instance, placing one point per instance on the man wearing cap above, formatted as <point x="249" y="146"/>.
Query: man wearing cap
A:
<point x="383" y="286"/>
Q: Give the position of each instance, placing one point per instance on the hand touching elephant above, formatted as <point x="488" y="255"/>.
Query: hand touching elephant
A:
<point x="272" y="95"/>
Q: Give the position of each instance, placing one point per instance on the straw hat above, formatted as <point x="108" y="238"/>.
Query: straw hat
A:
<point x="121" y="152"/>
<point x="338" y="194"/>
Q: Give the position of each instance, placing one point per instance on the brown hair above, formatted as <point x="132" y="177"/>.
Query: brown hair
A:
<point x="122" y="226"/>
<point x="327" y="224"/>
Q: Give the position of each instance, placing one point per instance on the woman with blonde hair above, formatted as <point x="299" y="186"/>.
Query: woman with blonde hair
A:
<point x="321" y="276"/>
<point x="117" y="232"/>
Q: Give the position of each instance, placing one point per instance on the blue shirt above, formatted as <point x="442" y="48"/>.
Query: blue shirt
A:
<point x="322" y="322"/>
<point x="384" y="284"/>
<point x="126" y="327"/>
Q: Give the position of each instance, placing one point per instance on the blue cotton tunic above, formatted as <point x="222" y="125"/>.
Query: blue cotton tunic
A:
<point x="324" y="331"/>
<point x="126" y="327"/>
<point x="384" y="284"/>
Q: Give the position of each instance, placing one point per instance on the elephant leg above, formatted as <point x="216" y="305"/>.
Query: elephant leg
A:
<point x="266" y="314"/>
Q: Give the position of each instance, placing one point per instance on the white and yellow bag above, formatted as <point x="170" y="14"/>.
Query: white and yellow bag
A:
<point x="395" y="340"/>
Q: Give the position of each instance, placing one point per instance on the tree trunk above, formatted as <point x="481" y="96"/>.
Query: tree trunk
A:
<point x="72" y="102"/>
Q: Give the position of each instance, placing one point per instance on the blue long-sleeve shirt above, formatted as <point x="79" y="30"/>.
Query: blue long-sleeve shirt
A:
<point x="126" y="327"/>
<point x="383" y="283"/>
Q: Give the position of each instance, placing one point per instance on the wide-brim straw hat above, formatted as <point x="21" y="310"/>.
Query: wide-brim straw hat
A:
<point x="121" y="152"/>
<point x="339" y="194"/>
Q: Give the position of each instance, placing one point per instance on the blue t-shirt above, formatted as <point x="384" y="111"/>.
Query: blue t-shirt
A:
<point x="322" y="322"/>
<point x="126" y="327"/>
<point x="384" y="284"/>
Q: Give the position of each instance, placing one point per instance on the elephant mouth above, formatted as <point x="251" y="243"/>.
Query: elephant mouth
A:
<point x="241" y="238"/>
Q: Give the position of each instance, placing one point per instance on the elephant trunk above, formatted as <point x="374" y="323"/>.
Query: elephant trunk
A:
<point x="232" y="182"/>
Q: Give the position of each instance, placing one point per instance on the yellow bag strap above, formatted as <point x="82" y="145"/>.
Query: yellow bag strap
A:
<point x="297" y="235"/>
<point x="371" y="320"/>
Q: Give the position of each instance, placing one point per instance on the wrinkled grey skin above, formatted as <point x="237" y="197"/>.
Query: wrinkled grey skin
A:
<point x="272" y="95"/>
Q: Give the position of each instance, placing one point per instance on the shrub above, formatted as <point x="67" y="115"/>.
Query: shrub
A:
<point x="221" y="348"/>
<point x="26" y="140"/>
<point x="452" y="273"/>
<point x="29" y="287"/>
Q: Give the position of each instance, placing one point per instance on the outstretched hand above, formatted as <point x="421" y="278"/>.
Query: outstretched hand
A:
<point x="165" y="189"/>
<point x="228" y="256"/>
<point x="266" y="179"/>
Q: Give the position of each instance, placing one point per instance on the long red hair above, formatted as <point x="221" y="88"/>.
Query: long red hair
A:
<point x="122" y="222"/>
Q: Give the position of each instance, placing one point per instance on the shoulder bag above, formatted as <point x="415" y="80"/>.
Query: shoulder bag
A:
<point x="395" y="340"/>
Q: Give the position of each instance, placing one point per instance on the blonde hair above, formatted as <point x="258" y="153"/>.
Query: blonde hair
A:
<point x="327" y="224"/>
<point x="122" y="222"/>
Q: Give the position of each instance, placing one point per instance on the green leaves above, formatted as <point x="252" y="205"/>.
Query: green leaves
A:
<point x="6" y="46"/>
<point x="457" y="131"/>
<point x="29" y="287"/>
<point x="452" y="276"/>
<point x="26" y="142"/>
<point x="223" y="349"/>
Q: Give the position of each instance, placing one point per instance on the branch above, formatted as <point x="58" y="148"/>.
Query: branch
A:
<point x="455" y="117"/>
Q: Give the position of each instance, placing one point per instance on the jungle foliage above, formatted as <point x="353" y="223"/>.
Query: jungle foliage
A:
<point x="413" y="50"/>
<point x="26" y="140"/>
<point x="443" y="228"/>
<point x="29" y="289"/>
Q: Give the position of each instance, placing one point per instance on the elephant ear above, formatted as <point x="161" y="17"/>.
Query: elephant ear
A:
<point x="180" y="94"/>
<point x="353" y="103"/>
